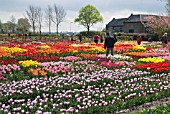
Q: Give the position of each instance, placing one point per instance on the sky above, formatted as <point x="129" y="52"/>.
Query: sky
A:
<point x="109" y="9"/>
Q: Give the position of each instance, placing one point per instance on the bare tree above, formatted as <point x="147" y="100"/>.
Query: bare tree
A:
<point x="39" y="18"/>
<point x="13" y="24"/>
<point x="168" y="7"/>
<point x="48" y="16"/>
<point x="32" y="15"/>
<point x="59" y="15"/>
<point x="1" y="30"/>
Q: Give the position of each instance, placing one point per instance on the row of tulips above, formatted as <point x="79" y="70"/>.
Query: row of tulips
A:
<point x="158" y="52"/>
<point x="150" y="60"/>
<point x="154" y="67"/>
<point x="146" y="54"/>
<point x="4" y="54"/>
<point x="13" y="49"/>
<point x="6" y="61"/>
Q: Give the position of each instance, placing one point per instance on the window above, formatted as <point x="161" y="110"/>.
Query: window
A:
<point x="121" y="30"/>
<point x="131" y="30"/>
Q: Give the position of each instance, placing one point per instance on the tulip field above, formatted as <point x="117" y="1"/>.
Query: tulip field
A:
<point x="77" y="78"/>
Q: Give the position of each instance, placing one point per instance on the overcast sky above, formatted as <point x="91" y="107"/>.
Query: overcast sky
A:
<point x="108" y="8"/>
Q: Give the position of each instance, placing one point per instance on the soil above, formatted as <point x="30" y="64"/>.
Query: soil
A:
<point x="140" y="108"/>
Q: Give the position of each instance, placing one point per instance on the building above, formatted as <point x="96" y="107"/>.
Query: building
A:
<point x="132" y="24"/>
<point x="116" y="25"/>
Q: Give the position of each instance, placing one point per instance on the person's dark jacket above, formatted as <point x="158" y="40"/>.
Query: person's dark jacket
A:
<point x="80" y="37"/>
<point x="164" y="39"/>
<point x="110" y="41"/>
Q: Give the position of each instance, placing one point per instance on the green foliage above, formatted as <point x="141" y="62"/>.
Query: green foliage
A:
<point x="6" y="35"/>
<point x="23" y="25"/>
<point x="126" y="38"/>
<point x="91" y="33"/>
<point x="37" y="34"/>
<point x="155" y="37"/>
<point x="163" y="109"/>
<point x="88" y="16"/>
<point x="133" y="36"/>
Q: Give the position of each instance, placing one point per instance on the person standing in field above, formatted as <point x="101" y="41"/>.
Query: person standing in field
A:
<point x="72" y="37"/>
<point x="9" y="35"/>
<point x="80" y="37"/>
<point x="139" y="39"/>
<point x="101" y="37"/>
<point x="109" y="43"/>
<point x="96" y="38"/>
<point x="87" y="38"/>
<point x="164" y="40"/>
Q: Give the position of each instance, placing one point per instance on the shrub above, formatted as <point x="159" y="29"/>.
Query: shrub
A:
<point x="91" y="33"/>
<point x="127" y="38"/>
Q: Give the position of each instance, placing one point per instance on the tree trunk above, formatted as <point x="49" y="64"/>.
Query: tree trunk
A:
<point x="40" y="30"/>
<point x="57" y="29"/>
<point x="49" y="28"/>
<point x="33" y="27"/>
<point x="13" y="30"/>
<point x="88" y="29"/>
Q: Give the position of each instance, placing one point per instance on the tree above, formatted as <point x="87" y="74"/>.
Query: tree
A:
<point x="23" y="25"/>
<point x="88" y="16"/>
<point x="12" y="24"/>
<point x="32" y="15"/>
<point x="39" y="18"/>
<point x="59" y="15"/>
<point x="9" y="26"/>
<point x="157" y="24"/>
<point x="48" y="16"/>
<point x="0" y="26"/>
<point x="168" y="7"/>
<point x="5" y="27"/>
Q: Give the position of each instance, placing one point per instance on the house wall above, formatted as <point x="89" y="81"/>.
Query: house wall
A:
<point x="109" y="28"/>
<point x="118" y="29"/>
<point x="133" y="28"/>
<point x="128" y="28"/>
<point x="114" y="29"/>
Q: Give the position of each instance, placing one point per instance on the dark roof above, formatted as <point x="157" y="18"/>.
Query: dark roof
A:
<point x="117" y="22"/>
<point x="133" y="18"/>
<point x="138" y="18"/>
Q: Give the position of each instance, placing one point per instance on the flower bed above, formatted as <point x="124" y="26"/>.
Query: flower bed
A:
<point x="88" y="91"/>
<point x="62" y="77"/>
